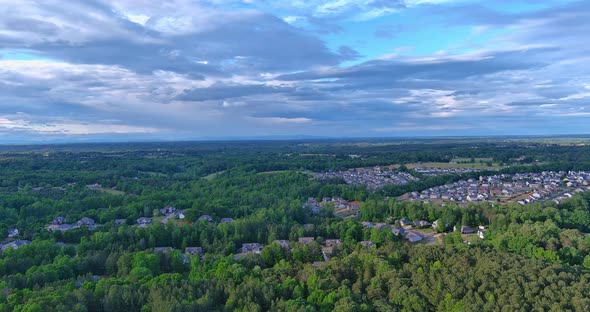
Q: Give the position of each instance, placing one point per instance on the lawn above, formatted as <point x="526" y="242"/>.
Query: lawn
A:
<point x="213" y="175"/>
<point x="109" y="191"/>
<point x="476" y="165"/>
<point x="468" y="160"/>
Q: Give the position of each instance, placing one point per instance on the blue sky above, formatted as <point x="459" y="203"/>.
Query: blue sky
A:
<point x="186" y="69"/>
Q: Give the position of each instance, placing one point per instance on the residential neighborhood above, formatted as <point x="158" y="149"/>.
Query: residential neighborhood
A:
<point x="373" y="177"/>
<point x="342" y="207"/>
<point x="522" y="188"/>
<point x="12" y="233"/>
<point x="59" y="224"/>
<point x="435" y="171"/>
<point x="14" y="244"/>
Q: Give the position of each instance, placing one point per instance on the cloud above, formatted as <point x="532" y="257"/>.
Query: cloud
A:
<point x="283" y="120"/>
<point x="68" y="127"/>
<point x="189" y="69"/>
<point x="450" y="67"/>
<point x="172" y="38"/>
<point x="222" y="91"/>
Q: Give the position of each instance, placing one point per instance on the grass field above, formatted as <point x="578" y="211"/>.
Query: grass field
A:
<point x="467" y="160"/>
<point x="213" y="175"/>
<point x="158" y="219"/>
<point x="273" y="172"/>
<point x="152" y="173"/>
<point x="109" y="191"/>
<point x="281" y="171"/>
<point x="450" y="165"/>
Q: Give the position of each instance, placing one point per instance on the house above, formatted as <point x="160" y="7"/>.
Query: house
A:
<point x="413" y="237"/>
<point x="94" y="186"/>
<point x="120" y="221"/>
<point x="332" y="242"/>
<point x="193" y="250"/>
<point x="368" y="243"/>
<point x="465" y="229"/>
<point x="144" y="220"/>
<point x="282" y="242"/>
<point x="404" y="222"/>
<point x="15" y="244"/>
<point x="252" y="248"/>
<point x="435" y="225"/>
<point x="353" y="205"/>
<point x="398" y="231"/>
<point x="167" y="210"/>
<point x="306" y="240"/>
<point x="315" y="209"/>
<point x="382" y="226"/>
<point x="421" y="224"/>
<point x="12" y="232"/>
<point x="85" y="222"/>
<point x="58" y="221"/>
<point x="481" y="233"/>
<point x="226" y="220"/>
<point x="207" y="218"/>
<point x="163" y="249"/>
<point x="181" y="215"/>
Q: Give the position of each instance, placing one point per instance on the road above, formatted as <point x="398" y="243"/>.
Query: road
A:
<point x="168" y="217"/>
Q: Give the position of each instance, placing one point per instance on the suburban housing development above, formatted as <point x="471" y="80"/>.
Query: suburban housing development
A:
<point x="522" y="188"/>
<point x="373" y="178"/>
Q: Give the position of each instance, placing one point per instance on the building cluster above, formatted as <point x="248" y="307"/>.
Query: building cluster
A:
<point x="373" y="177"/>
<point x="403" y="228"/>
<point x="59" y="224"/>
<point x="342" y="207"/>
<point x="328" y="247"/>
<point x="435" y="171"/>
<point x="188" y="253"/>
<point x="523" y="188"/>
<point x="14" y="244"/>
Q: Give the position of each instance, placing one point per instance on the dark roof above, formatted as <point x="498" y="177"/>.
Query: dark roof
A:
<point x="193" y="250"/>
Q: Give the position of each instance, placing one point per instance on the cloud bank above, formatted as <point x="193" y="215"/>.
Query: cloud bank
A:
<point x="193" y="69"/>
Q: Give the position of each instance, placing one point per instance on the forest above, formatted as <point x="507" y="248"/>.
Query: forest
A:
<point x="534" y="257"/>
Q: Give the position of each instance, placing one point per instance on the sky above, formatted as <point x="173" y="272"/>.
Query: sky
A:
<point x="204" y="69"/>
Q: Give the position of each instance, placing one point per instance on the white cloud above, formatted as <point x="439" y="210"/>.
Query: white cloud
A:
<point x="69" y="127"/>
<point x="283" y="120"/>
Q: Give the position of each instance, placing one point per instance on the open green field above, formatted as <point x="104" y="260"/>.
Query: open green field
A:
<point x="273" y="172"/>
<point x="467" y="160"/>
<point x="450" y="165"/>
<point x="109" y="191"/>
<point x="153" y="173"/>
<point x="213" y="175"/>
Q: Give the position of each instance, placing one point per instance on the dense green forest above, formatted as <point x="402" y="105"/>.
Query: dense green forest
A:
<point x="534" y="257"/>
